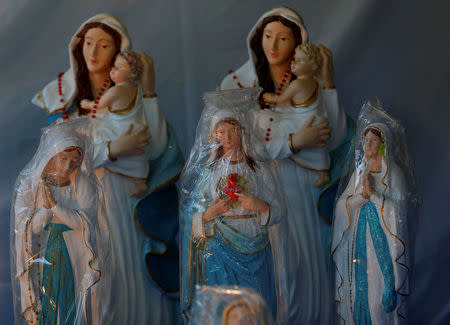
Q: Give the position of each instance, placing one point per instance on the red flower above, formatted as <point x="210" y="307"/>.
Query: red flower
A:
<point x="233" y="187"/>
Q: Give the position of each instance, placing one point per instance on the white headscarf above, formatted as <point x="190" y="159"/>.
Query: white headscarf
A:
<point x="246" y="74"/>
<point x="49" y="98"/>
<point x="287" y="13"/>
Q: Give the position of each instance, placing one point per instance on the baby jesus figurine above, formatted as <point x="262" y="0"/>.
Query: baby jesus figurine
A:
<point x="121" y="100"/>
<point x="303" y="93"/>
<point x="125" y="73"/>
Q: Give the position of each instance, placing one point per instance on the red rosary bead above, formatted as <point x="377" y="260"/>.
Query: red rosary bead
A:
<point x="61" y="93"/>
<point x="97" y="99"/>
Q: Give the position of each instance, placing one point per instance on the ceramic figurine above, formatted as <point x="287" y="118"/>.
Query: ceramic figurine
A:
<point x="234" y="202"/>
<point x="271" y="44"/>
<point x="58" y="246"/>
<point x="139" y="244"/>
<point x="369" y="245"/>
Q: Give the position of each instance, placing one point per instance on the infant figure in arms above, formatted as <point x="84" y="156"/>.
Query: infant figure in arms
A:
<point x="298" y="103"/>
<point x="115" y="111"/>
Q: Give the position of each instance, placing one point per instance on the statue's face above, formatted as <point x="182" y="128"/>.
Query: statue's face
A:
<point x="98" y="50"/>
<point x="240" y="315"/>
<point x="63" y="164"/>
<point x="120" y="71"/>
<point x="301" y="64"/>
<point x="229" y="136"/>
<point x="278" y="43"/>
<point x="371" y="145"/>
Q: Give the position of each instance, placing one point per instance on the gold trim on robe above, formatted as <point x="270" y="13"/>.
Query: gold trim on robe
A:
<point x="306" y="166"/>
<point x="310" y="100"/>
<point x="123" y="111"/>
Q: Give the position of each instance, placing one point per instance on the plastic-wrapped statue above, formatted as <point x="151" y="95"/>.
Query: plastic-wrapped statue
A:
<point x="229" y="305"/>
<point x="137" y="235"/>
<point x="369" y="245"/>
<point x="297" y="104"/>
<point x="271" y="44"/>
<point x="59" y="242"/>
<point x="229" y="201"/>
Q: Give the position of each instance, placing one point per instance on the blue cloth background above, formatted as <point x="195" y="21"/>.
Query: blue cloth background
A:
<point x="396" y="50"/>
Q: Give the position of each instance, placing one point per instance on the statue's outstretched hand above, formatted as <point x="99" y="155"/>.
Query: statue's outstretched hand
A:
<point x="311" y="136"/>
<point x="130" y="144"/>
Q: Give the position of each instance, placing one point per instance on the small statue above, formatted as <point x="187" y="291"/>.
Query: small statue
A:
<point x="58" y="237"/>
<point x="225" y="220"/>
<point x="369" y="244"/>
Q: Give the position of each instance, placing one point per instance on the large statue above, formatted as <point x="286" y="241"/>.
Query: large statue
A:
<point x="370" y="245"/>
<point x="137" y="233"/>
<point x="60" y="245"/>
<point x="271" y="44"/>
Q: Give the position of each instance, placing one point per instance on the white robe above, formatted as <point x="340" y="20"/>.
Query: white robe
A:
<point x="133" y="288"/>
<point x="110" y="125"/>
<point x="290" y="119"/>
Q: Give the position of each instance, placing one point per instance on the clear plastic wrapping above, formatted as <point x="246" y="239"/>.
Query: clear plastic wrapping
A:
<point x="59" y="238"/>
<point x="370" y="239"/>
<point x="229" y="202"/>
<point x="229" y="305"/>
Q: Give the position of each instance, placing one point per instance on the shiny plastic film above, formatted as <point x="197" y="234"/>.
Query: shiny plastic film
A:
<point x="370" y="246"/>
<point x="229" y="205"/>
<point x="59" y="236"/>
<point x="229" y="305"/>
